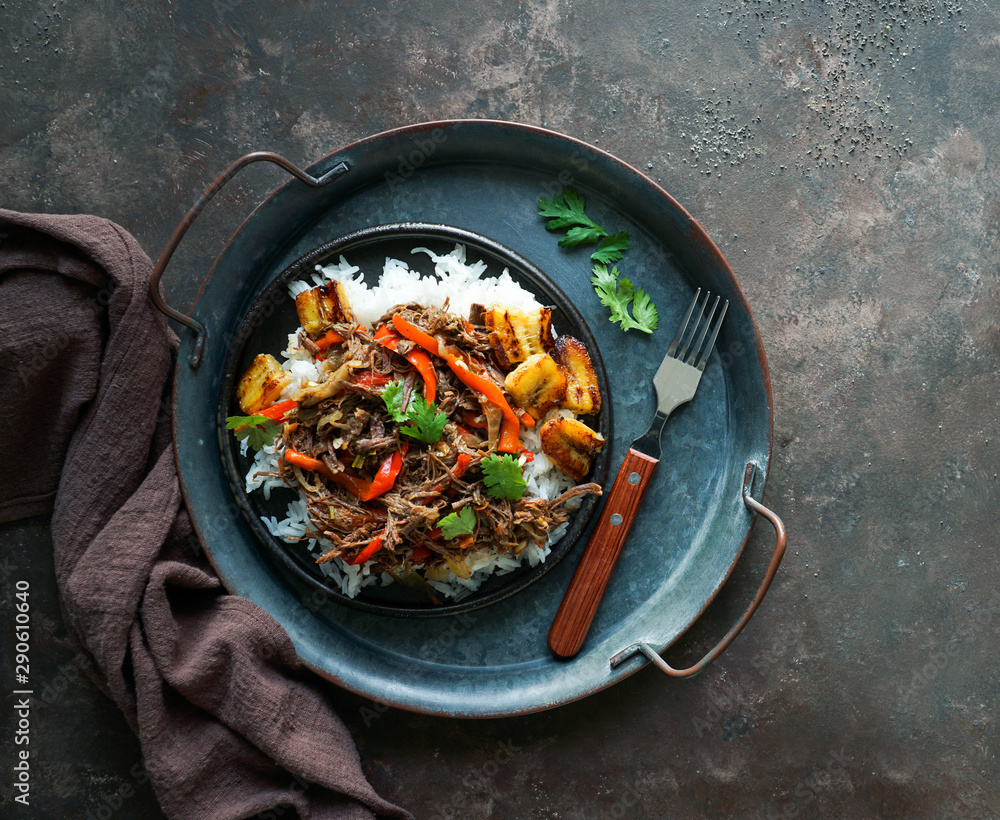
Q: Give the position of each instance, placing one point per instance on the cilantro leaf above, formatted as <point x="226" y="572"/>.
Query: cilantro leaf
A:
<point x="617" y="293"/>
<point x="427" y="422"/>
<point x="392" y="396"/>
<point x="605" y="283"/>
<point x="612" y="248"/>
<point x="502" y="476"/>
<point x="423" y="421"/>
<point x="644" y="311"/>
<point x="604" y="280"/>
<point x="616" y="299"/>
<point x="581" y="235"/>
<point x="454" y="525"/>
<point x="566" y="211"/>
<point x="259" y="431"/>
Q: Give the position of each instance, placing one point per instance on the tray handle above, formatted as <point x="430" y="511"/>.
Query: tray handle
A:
<point x="779" y="552"/>
<point x="154" y="280"/>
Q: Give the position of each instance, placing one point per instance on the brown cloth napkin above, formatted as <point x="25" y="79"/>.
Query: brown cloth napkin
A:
<point x="230" y="723"/>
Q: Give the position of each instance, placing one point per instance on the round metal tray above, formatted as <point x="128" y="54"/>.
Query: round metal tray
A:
<point x="486" y="177"/>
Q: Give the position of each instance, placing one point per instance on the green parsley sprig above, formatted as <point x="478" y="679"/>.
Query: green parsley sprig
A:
<point x="611" y="249"/>
<point x="426" y="421"/>
<point x="421" y="419"/>
<point x="616" y="292"/>
<point x="392" y="397"/>
<point x="455" y="525"/>
<point x="259" y="431"/>
<point x="566" y="211"/>
<point x="503" y="477"/>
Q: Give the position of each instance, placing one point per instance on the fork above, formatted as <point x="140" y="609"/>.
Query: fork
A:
<point x="676" y="382"/>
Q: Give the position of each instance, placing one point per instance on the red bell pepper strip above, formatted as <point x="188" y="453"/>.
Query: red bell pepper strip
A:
<point x="415" y="334"/>
<point x="353" y="484"/>
<point x="511" y="423"/>
<point x="331" y="338"/>
<point x="420" y="554"/>
<point x="280" y="410"/>
<point x="373" y="546"/>
<point x="372" y="380"/>
<point x="386" y="475"/>
<point x="277" y="412"/>
<point x="305" y="462"/>
<point x="387" y="337"/>
<point x="509" y="441"/>
<point x="422" y="362"/>
<point x="464" y="460"/>
<point x="471" y="419"/>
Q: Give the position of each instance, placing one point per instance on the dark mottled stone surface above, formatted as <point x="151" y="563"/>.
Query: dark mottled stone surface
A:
<point x="844" y="157"/>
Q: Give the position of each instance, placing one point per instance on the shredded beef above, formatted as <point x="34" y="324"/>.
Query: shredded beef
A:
<point x="353" y="434"/>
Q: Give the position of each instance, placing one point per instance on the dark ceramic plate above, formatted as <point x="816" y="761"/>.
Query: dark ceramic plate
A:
<point x="265" y="330"/>
<point x="486" y="177"/>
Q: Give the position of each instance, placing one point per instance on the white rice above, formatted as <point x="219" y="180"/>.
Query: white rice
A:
<point x="462" y="284"/>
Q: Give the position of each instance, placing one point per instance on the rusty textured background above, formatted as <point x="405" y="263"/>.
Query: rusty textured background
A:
<point x="844" y="157"/>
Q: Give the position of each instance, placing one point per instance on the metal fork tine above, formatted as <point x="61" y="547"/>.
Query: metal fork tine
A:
<point x="711" y="342"/>
<point x="696" y="347"/>
<point x="682" y="353"/>
<point x="683" y="326"/>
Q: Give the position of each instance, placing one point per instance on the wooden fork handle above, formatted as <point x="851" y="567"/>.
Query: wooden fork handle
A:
<point x="584" y="593"/>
